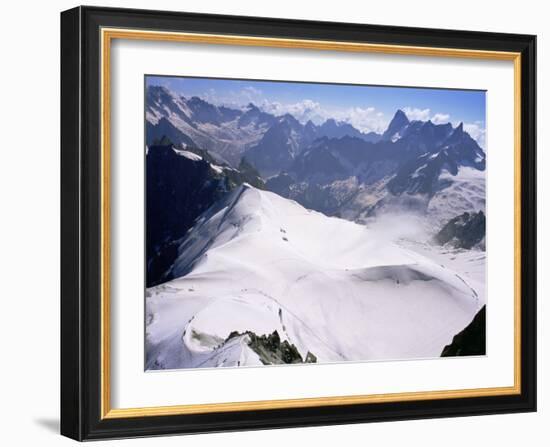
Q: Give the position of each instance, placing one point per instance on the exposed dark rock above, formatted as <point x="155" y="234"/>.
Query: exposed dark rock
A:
<point x="253" y="115"/>
<point x="469" y="341"/>
<point x="310" y="358"/>
<point x="246" y="173"/>
<point x="279" y="146"/>
<point x="272" y="351"/>
<point x="280" y="184"/>
<point x="398" y="123"/>
<point x="464" y="231"/>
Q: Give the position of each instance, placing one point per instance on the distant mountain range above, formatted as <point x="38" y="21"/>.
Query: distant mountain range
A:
<point x="413" y="165"/>
<point x="434" y="170"/>
<point x="270" y="141"/>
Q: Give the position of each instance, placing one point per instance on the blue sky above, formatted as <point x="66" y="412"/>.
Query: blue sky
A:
<point x="369" y="108"/>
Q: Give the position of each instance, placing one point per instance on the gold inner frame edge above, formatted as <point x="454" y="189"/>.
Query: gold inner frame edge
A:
<point x="107" y="35"/>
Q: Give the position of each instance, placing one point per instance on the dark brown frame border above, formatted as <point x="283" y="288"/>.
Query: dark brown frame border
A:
<point x="85" y="207"/>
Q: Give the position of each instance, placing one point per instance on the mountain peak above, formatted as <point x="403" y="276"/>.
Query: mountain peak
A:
<point x="159" y="93"/>
<point x="400" y="116"/>
<point x="310" y="125"/>
<point x="396" y="126"/>
<point x="158" y="88"/>
<point x="288" y="118"/>
<point x="251" y="106"/>
<point x="458" y="132"/>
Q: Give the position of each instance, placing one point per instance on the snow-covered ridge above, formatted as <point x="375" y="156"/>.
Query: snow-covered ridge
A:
<point x="258" y="262"/>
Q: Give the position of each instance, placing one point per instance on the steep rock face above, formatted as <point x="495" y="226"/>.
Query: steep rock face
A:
<point x="278" y="147"/>
<point x="319" y="165"/>
<point x="255" y="117"/>
<point x="424" y="136"/>
<point x="205" y="113"/>
<point x="161" y="102"/>
<point x="270" y="349"/>
<point x="280" y="184"/>
<point x="471" y="340"/>
<point x="464" y="231"/>
<point x="396" y="127"/>
<point x="178" y="190"/>
<point x="421" y="175"/>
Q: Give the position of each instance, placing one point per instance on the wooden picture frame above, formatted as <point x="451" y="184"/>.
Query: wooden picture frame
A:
<point x="86" y="37"/>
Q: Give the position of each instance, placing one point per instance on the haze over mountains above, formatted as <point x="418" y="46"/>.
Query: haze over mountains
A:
<point x="249" y="276"/>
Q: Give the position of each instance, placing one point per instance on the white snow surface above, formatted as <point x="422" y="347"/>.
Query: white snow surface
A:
<point x="465" y="192"/>
<point x="188" y="154"/>
<point x="216" y="168"/>
<point x="259" y="262"/>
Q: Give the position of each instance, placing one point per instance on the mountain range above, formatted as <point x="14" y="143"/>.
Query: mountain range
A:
<point x="267" y="239"/>
<point x="412" y="166"/>
<point x="332" y="167"/>
<point x="228" y="133"/>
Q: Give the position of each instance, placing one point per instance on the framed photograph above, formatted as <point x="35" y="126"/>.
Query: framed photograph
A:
<point x="275" y="223"/>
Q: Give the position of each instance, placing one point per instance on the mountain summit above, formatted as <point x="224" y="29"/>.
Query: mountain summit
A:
<point x="395" y="129"/>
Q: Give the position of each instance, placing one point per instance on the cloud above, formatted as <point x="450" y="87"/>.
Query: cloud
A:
<point x="477" y="132"/>
<point x="232" y="98"/>
<point x="303" y="111"/>
<point x="415" y="114"/>
<point x="366" y="119"/>
<point x="251" y="94"/>
<point x="475" y="129"/>
<point x="441" y="118"/>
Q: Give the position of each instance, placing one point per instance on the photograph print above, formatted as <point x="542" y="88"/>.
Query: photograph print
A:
<point x="294" y="222"/>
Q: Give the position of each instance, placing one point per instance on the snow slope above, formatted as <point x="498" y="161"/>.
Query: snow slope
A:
<point x="258" y="262"/>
